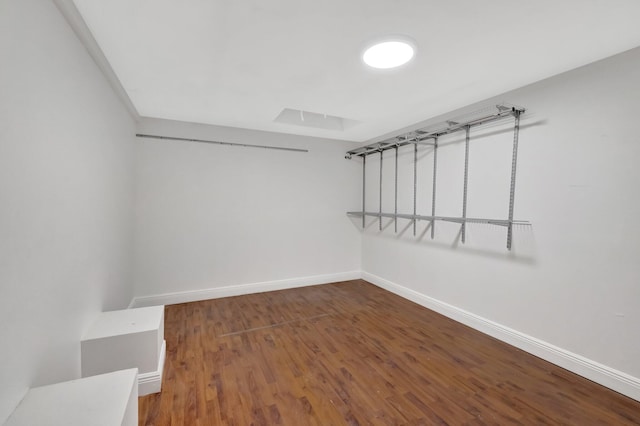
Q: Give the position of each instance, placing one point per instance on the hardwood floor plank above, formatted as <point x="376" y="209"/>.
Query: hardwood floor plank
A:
<point x="351" y="353"/>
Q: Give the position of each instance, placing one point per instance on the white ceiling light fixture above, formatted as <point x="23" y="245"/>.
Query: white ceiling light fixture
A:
<point x="390" y="52"/>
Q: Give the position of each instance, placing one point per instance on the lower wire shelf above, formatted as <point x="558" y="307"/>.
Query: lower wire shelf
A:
<point x="500" y="222"/>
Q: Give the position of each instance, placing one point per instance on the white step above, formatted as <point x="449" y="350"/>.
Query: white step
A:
<point x="104" y="400"/>
<point x="129" y="338"/>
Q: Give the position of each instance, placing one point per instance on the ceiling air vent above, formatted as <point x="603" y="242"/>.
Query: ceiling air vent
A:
<point x="299" y="117"/>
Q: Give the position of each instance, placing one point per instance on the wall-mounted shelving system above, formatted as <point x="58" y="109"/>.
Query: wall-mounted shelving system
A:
<point x="430" y="136"/>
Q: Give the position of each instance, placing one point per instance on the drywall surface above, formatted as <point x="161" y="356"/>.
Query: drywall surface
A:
<point x="211" y="216"/>
<point x="573" y="277"/>
<point x="66" y="196"/>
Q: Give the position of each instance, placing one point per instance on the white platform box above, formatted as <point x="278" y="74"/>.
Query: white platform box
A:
<point x="105" y="400"/>
<point x="130" y="338"/>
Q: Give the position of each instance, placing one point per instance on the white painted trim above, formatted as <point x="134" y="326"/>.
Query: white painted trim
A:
<point x="151" y="382"/>
<point x="238" y="290"/>
<point x="82" y="31"/>
<point x="592" y="370"/>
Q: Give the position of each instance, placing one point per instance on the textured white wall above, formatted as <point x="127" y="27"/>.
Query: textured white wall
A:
<point x="573" y="278"/>
<point x="211" y="216"/>
<point x="66" y="187"/>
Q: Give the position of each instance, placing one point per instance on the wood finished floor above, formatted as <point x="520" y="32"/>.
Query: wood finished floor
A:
<point x="353" y="354"/>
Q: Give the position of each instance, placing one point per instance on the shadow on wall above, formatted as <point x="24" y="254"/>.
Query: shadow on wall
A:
<point x="484" y="237"/>
<point x="524" y="235"/>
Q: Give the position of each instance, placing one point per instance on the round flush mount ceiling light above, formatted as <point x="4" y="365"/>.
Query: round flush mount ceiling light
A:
<point x="389" y="53"/>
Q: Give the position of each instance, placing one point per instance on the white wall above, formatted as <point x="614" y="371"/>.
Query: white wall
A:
<point x="66" y="186"/>
<point x="573" y="278"/>
<point x="212" y="217"/>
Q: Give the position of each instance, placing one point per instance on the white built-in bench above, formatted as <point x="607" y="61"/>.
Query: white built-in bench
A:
<point x="130" y="338"/>
<point x="104" y="400"/>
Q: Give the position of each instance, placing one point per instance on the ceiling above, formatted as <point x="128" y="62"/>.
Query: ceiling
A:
<point x="241" y="63"/>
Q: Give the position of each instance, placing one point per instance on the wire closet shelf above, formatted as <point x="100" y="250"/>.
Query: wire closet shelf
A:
<point x="429" y="136"/>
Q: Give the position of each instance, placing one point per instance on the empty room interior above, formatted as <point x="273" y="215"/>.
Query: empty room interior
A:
<point x="319" y="213"/>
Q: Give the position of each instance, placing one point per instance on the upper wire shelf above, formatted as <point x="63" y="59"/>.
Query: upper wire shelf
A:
<point x="419" y="136"/>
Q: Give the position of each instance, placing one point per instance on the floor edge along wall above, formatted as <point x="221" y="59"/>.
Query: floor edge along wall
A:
<point x="240" y="289"/>
<point x="592" y="370"/>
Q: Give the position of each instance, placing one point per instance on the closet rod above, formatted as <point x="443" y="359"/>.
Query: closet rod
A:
<point x="244" y="145"/>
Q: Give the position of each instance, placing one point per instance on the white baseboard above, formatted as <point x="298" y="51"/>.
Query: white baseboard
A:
<point x="151" y="382"/>
<point x="238" y="290"/>
<point x="592" y="370"/>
